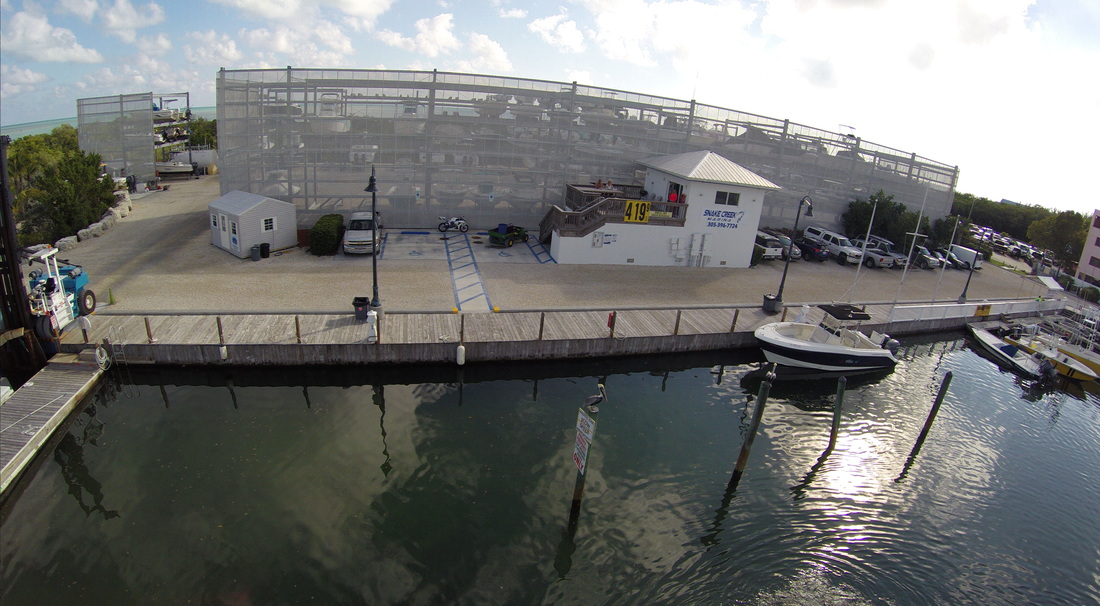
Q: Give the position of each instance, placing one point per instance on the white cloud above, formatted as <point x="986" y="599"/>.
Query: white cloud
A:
<point x="85" y="9"/>
<point x="122" y="77"/>
<point x="435" y="36"/>
<point x="212" y="48"/>
<point x="16" y="80"/>
<point x="560" y="32"/>
<point x="154" y="46"/>
<point x="490" y="56"/>
<point x="323" y="44"/>
<point x="364" y="13"/>
<point x="32" y="37"/>
<point x="123" y="19"/>
<point x="513" y="13"/>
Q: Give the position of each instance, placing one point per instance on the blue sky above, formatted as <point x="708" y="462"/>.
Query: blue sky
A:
<point x="1005" y="89"/>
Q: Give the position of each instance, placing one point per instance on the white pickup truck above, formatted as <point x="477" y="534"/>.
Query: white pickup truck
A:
<point x="362" y="236"/>
<point x="840" y="247"/>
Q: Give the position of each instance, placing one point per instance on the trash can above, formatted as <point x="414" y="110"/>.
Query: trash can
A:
<point x="772" y="305"/>
<point x="256" y="252"/>
<point x="265" y="250"/>
<point x="362" y="306"/>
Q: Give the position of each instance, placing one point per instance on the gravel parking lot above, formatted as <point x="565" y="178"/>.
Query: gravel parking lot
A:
<point x="159" y="259"/>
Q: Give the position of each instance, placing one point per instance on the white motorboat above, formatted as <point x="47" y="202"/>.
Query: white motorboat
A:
<point x="833" y="344"/>
<point x="1030" y="365"/>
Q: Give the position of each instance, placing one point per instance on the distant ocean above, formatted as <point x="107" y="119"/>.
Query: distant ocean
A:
<point x="16" y="131"/>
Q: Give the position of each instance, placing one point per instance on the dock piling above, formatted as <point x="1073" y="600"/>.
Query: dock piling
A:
<point x="841" y="385"/>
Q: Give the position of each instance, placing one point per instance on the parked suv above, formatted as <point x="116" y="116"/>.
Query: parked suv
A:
<point x="772" y="246"/>
<point x="840" y="247"/>
<point x="924" y="259"/>
<point x="357" y="237"/>
<point x="812" y="250"/>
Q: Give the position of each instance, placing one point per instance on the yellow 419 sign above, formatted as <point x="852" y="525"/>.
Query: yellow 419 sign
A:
<point x="637" y="211"/>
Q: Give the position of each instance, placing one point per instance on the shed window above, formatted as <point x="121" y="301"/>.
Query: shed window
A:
<point x="213" y="220"/>
<point x="728" y="198"/>
<point x="269" y="224"/>
<point x="233" y="227"/>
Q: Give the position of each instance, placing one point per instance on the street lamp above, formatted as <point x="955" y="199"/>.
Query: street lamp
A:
<point x="372" y="187"/>
<point x="962" y="297"/>
<point x="773" y="303"/>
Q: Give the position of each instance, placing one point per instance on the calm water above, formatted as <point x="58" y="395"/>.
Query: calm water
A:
<point x="444" y="487"/>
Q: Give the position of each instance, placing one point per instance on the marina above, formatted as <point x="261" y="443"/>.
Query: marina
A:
<point x="455" y="483"/>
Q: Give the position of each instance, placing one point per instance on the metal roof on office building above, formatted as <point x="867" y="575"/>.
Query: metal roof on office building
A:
<point x="708" y="166"/>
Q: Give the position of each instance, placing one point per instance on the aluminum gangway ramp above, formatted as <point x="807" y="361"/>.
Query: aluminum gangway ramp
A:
<point x="469" y="290"/>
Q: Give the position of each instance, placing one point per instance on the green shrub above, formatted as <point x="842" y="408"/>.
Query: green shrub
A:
<point x="1066" y="281"/>
<point x="1090" y="293"/>
<point x="757" y="255"/>
<point x="324" y="236"/>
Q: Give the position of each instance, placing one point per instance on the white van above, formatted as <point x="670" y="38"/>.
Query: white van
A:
<point x="357" y="237"/>
<point x="969" y="257"/>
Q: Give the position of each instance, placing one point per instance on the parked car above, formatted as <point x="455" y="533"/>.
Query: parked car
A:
<point x="770" y="245"/>
<point x="839" y="247"/>
<point x="811" y="249"/>
<point x="876" y="257"/>
<point x="924" y="259"/>
<point x="949" y="257"/>
<point x="899" y="260"/>
<point x="785" y="240"/>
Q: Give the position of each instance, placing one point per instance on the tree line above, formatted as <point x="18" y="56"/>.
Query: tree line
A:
<point x="58" y="189"/>
<point x="1062" y="233"/>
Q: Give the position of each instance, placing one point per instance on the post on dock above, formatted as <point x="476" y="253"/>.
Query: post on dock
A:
<point x="298" y="330"/>
<point x="149" y="330"/>
<point x="221" y="332"/>
<point x="611" y="323"/>
<point x="542" y="323"/>
<point x="676" y="327"/>
<point x="733" y="325"/>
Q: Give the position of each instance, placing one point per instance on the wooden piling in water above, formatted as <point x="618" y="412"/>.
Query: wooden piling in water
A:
<point x="841" y="384"/>
<point x="757" y="416"/>
<point x="935" y="408"/>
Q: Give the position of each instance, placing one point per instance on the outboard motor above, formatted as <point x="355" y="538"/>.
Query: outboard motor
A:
<point x="1047" y="371"/>
<point x="892" y="345"/>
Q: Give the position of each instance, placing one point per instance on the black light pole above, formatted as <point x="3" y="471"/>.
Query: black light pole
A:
<point x="372" y="187"/>
<point x="772" y="304"/>
<point x="962" y="297"/>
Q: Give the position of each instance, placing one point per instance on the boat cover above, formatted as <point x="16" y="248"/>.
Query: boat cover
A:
<point x="845" y="311"/>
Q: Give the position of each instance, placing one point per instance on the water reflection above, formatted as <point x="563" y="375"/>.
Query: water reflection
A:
<point x="69" y="455"/>
<point x="438" y="486"/>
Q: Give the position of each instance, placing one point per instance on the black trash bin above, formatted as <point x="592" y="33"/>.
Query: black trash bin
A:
<point x="362" y="306"/>
<point x="265" y="250"/>
<point x="256" y="252"/>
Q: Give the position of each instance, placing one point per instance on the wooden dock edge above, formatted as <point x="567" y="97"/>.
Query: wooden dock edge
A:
<point x="18" y="464"/>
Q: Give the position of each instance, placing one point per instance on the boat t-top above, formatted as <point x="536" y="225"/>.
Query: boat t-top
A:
<point x="833" y="344"/>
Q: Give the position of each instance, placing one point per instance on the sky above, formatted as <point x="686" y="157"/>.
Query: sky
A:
<point x="1007" y="90"/>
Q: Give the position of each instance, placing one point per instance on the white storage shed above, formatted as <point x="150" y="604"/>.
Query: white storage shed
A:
<point x="240" y="220"/>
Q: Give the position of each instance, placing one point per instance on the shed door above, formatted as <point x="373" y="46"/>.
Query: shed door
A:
<point x="223" y="223"/>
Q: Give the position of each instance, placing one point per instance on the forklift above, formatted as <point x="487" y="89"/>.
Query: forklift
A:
<point x="58" y="294"/>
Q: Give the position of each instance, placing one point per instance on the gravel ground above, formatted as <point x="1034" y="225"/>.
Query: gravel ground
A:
<point x="160" y="259"/>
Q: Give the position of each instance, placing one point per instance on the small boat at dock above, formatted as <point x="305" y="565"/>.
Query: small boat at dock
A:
<point x="833" y="344"/>
<point x="1030" y="365"/>
<point x="1070" y="361"/>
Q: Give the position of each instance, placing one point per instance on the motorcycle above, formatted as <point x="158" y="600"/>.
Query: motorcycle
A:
<point x="458" y="223"/>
